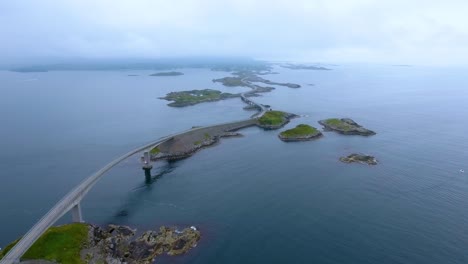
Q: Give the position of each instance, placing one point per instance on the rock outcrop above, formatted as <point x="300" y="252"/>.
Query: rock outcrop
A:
<point x="360" y="158"/>
<point x="116" y="244"/>
<point x="345" y="126"/>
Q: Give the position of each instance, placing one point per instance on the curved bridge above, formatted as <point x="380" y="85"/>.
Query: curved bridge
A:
<point x="72" y="200"/>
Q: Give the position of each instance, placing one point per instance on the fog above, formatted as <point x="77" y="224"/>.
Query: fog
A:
<point x="430" y="32"/>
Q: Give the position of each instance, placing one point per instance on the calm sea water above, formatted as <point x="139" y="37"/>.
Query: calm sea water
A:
<point x="256" y="199"/>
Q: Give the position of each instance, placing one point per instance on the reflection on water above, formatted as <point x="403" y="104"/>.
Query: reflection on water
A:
<point x="133" y="200"/>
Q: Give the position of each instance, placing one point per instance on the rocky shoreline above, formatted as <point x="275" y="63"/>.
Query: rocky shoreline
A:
<point x="187" y="144"/>
<point x="345" y="126"/>
<point x="118" y="244"/>
<point x="203" y="144"/>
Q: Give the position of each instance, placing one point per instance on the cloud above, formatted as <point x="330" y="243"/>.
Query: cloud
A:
<point x="420" y="32"/>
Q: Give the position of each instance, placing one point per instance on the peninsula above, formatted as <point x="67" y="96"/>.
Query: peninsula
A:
<point x="301" y="132"/>
<point x="345" y="126"/>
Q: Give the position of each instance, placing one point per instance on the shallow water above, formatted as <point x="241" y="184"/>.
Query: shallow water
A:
<point x="256" y="198"/>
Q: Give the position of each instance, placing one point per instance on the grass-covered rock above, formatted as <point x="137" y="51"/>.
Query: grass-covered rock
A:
<point x="301" y="132"/>
<point x="61" y="244"/>
<point x="186" y="98"/>
<point x="345" y="126"/>
<point x="274" y="119"/>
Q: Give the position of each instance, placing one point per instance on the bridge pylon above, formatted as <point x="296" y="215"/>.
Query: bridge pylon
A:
<point x="146" y="161"/>
<point x="77" y="216"/>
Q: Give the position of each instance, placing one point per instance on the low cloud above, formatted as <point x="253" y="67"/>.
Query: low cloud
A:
<point x="336" y="31"/>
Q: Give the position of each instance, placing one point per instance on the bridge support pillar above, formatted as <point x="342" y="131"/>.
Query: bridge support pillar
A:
<point x="77" y="217"/>
<point x="147" y="164"/>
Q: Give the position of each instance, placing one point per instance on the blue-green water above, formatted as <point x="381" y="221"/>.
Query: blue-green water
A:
<point x="256" y="199"/>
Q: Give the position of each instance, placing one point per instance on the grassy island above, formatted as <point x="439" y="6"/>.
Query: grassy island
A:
<point x="272" y="118"/>
<point x="345" y="126"/>
<point x="186" y="98"/>
<point x="172" y="73"/>
<point x="300" y="131"/>
<point x="61" y="244"/>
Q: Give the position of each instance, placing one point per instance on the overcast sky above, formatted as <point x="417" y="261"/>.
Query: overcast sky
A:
<point x="335" y="31"/>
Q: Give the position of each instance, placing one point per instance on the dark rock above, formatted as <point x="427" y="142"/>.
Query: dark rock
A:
<point x="360" y="158"/>
<point x="116" y="244"/>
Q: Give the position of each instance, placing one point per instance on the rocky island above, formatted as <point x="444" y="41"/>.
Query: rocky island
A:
<point x="86" y="243"/>
<point x="245" y="78"/>
<point x="301" y="132"/>
<point x="345" y="126"/>
<point x="274" y="119"/>
<point x="360" y="158"/>
<point x="186" y="98"/>
<point x="172" y="73"/>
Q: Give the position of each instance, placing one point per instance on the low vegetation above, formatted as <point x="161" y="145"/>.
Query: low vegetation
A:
<point x="339" y="124"/>
<point x="185" y="98"/>
<point x="60" y="244"/>
<point x="300" y="130"/>
<point x="272" y="118"/>
<point x="155" y="151"/>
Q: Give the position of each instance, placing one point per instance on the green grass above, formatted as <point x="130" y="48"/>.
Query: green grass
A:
<point x="207" y="136"/>
<point x="61" y="244"/>
<point x="300" y="130"/>
<point x="155" y="151"/>
<point x="272" y="118"/>
<point x="335" y="122"/>
<point x="198" y="142"/>
<point x="7" y="248"/>
<point x="191" y="97"/>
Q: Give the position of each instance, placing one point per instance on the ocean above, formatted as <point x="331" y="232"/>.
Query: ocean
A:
<point x="255" y="199"/>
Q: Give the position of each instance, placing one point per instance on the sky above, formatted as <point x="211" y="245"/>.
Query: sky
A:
<point x="430" y="32"/>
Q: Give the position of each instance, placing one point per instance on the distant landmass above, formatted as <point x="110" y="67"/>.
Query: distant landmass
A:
<point x="172" y="73"/>
<point x="162" y="64"/>
<point x="304" y="67"/>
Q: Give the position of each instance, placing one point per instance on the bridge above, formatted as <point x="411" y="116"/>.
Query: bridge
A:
<point x="72" y="201"/>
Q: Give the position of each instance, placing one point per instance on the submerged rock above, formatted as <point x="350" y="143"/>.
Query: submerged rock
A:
<point x="360" y="158"/>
